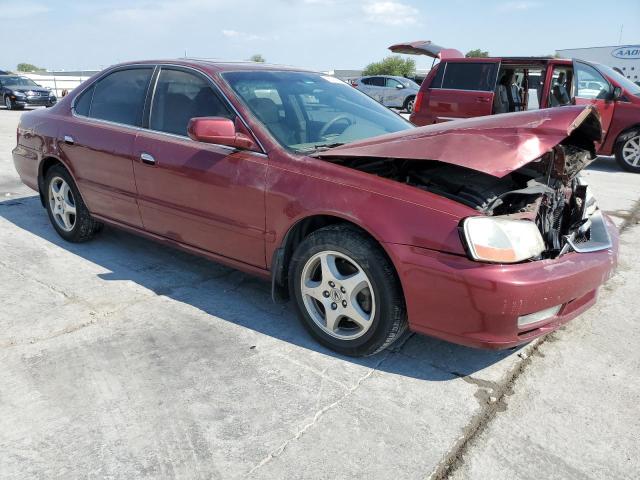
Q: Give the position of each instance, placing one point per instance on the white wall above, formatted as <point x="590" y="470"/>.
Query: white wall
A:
<point x="625" y="57"/>
<point x="57" y="83"/>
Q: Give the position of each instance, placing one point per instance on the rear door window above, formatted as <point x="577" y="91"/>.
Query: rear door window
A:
<point x="180" y="96"/>
<point x="119" y="97"/>
<point x="468" y="76"/>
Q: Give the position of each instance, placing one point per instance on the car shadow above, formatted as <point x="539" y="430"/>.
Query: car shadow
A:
<point x="605" y="164"/>
<point x="236" y="297"/>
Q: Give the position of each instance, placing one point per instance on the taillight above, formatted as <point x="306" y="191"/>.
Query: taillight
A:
<point x="418" y="103"/>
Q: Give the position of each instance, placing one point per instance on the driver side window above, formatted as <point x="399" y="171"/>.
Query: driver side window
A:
<point x="590" y="83"/>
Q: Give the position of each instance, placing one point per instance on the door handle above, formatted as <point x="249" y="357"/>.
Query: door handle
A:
<point x="68" y="139"/>
<point x="147" y="158"/>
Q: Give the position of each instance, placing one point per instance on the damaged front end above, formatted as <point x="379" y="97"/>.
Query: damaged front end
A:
<point x="544" y="190"/>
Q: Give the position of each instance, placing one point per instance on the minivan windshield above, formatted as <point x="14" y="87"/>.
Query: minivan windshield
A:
<point x="621" y="80"/>
<point x="309" y="111"/>
<point x="17" y="81"/>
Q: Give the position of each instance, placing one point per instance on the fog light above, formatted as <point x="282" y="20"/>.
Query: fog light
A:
<point x="535" y="317"/>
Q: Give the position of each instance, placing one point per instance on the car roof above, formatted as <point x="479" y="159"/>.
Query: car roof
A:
<point x="218" y="66"/>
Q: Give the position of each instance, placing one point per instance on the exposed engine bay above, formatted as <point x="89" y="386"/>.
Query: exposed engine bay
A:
<point x="547" y="190"/>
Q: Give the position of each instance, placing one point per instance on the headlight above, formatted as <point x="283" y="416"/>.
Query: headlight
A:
<point x="500" y="240"/>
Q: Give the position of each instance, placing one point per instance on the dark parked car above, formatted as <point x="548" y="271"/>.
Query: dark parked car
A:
<point x="460" y="87"/>
<point x="478" y="232"/>
<point x="18" y="92"/>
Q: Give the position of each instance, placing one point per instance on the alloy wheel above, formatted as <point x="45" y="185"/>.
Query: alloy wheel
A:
<point x="62" y="204"/>
<point x="7" y="103"/>
<point x="631" y="151"/>
<point x="410" y="106"/>
<point x="338" y="295"/>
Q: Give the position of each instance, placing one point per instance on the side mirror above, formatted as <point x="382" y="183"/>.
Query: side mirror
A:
<point x="617" y="93"/>
<point x="218" y="130"/>
<point x="399" y="86"/>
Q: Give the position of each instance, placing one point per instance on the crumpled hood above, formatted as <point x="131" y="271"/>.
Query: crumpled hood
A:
<point x="495" y="145"/>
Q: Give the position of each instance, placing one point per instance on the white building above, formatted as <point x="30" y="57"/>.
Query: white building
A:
<point x="624" y="57"/>
<point x="59" y="81"/>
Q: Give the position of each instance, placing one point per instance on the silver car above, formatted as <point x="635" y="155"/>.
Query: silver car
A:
<point x="390" y="91"/>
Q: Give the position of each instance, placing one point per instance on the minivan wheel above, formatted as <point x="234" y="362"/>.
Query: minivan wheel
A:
<point x="628" y="152"/>
<point x="346" y="291"/>
<point x="67" y="211"/>
<point x="408" y="104"/>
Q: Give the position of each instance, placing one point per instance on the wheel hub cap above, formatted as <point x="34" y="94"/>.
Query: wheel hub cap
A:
<point x="62" y="204"/>
<point x="631" y="151"/>
<point x="338" y="295"/>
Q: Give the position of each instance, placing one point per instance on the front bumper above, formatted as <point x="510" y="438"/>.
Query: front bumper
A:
<point x="35" y="101"/>
<point x="476" y="304"/>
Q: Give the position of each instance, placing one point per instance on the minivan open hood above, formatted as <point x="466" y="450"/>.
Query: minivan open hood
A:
<point x="495" y="145"/>
<point x="426" y="47"/>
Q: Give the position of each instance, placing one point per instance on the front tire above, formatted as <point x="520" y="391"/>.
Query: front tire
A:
<point x="67" y="211"/>
<point x="627" y="151"/>
<point x="347" y="292"/>
<point x="8" y="103"/>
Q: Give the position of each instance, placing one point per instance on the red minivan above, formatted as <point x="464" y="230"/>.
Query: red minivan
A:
<point x="459" y="87"/>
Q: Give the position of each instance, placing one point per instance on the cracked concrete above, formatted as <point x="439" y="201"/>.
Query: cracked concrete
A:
<point x="126" y="359"/>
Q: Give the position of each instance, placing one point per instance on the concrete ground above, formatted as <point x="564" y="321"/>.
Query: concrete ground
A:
<point x="124" y="359"/>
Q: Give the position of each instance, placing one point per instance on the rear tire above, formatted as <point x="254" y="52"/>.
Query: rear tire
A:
<point x="347" y="292"/>
<point x="408" y="104"/>
<point x="67" y="211"/>
<point x="627" y="151"/>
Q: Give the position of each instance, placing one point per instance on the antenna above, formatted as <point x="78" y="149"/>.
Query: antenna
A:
<point x="620" y="37"/>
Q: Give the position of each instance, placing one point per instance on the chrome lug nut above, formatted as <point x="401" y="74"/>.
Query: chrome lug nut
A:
<point x="344" y="303"/>
<point x="333" y="306"/>
<point x="325" y="294"/>
<point x="331" y="284"/>
<point x="343" y="290"/>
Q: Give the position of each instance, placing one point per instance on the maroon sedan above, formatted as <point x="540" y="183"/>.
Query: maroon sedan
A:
<point x="478" y="231"/>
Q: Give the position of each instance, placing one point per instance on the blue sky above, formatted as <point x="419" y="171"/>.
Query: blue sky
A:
<point x="319" y="34"/>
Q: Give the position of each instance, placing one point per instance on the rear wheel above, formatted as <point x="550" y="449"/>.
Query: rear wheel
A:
<point x="347" y="292"/>
<point x="628" y="151"/>
<point x="408" y="104"/>
<point x="67" y="211"/>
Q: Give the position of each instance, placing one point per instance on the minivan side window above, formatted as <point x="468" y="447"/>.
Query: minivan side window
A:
<point x="590" y="83"/>
<point x="180" y="96"/>
<point x="119" y="97"/>
<point x="468" y="76"/>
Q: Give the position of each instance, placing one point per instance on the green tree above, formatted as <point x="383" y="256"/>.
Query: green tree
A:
<point x="257" y="58"/>
<point x="393" y="65"/>
<point x="477" y="53"/>
<point x="27" y="67"/>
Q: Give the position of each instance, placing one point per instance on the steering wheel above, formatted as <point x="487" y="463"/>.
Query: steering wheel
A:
<point x="333" y="121"/>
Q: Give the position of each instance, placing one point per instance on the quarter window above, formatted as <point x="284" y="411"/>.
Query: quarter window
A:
<point x="83" y="103"/>
<point x="468" y="76"/>
<point x="181" y="96"/>
<point x="118" y="97"/>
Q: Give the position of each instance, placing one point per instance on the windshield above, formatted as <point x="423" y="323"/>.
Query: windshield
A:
<point x="16" y="81"/>
<point x="309" y="111"/>
<point x="621" y="80"/>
